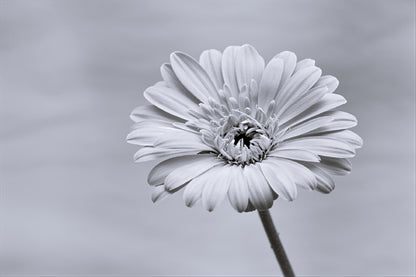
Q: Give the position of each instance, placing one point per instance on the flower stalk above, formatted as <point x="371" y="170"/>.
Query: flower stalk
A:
<point x="276" y="244"/>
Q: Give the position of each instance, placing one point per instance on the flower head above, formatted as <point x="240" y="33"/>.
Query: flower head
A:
<point x="231" y="126"/>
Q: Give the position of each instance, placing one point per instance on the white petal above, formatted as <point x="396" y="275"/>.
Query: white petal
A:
<point x="152" y="153"/>
<point x="278" y="179"/>
<point x="172" y="80"/>
<point x="328" y="102"/>
<point x="336" y="166"/>
<point x="300" y="174"/>
<point x="296" y="87"/>
<point x="270" y="82"/>
<point x="193" y="76"/>
<point x="289" y="62"/>
<point x="147" y="132"/>
<point x="193" y="190"/>
<point x="261" y="195"/>
<point x="249" y="65"/>
<point x="306" y="101"/>
<point x="328" y="81"/>
<point x="228" y="69"/>
<point x="187" y="172"/>
<point x="150" y="112"/>
<point x="159" y="193"/>
<point x="171" y="101"/>
<point x="304" y="64"/>
<point x="210" y="60"/>
<point x="306" y="127"/>
<point x="295" y="154"/>
<point x="158" y="174"/>
<point x="216" y="188"/>
<point x="340" y="121"/>
<point x="325" y="183"/>
<point x="321" y="146"/>
<point x="238" y="190"/>
<point x="346" y="135"/>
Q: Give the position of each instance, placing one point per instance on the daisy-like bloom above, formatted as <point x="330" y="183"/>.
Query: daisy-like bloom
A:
<point x="230" y="125"/>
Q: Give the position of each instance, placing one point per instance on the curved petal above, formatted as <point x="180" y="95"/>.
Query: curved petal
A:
<point x="307" y="100"/>
<point x="187" y="172"/>
<point x="238" y="190"/>
<point x="151" y="112"/>
<point x="270" y="82"/>
<point x="300" y="174"/>
<point x="210" y="60"/>
<point x="325" y="183"/>
<point x="261" y="195"/>
<point x="328" y="102"/>
<point x="146" y="133"/>
<point x="149" y="153"/>
<point x="171" y="101"/>
<point x="158" y="173"/>
<point x="159" y="193"/>
<point x="228" y="69"/>
<point x="327" y="81"/>
<point x="193" y="76"/>
<point x="336" y="166"/>
<point x="278" y="179"/>
<point x="289" y="62"/>
<point x="294" y="154"/>
<point x="322" y="146"/>
<point x="248" y="65"/>
<point x="193" y="190"/>
<point x="306" y="127"/>
<point x="216" y="188"/>
<point x="296" y="87"/>
<point x="304" y="64"/>
<point x="346" y="135"/>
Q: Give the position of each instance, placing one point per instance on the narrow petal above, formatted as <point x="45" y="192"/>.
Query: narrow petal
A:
<point x="151" y="112"/>
<point x="313" y="96"/>
<point x="210" y="60"/>
<point x="289" y="62"/>
<point x="328" y="102"/>
<point x="172" y="80"/>
<point x="249" y="65"/>
<point x="228" y="69"/>
<point x="296" y="87"/>
<point x="300" y="174"/>
<point x="278" y="179"/>
<point x="325" y="183"/>
<point x="307" y="127"/>
<point x="238" y="191"/>
<point x="158" y="174"/>
<point x="171" y="101"/>
<point x="348" y="136"/>
<point x="304" y="64"/>
<point x="216" y="188"/>
<point x="193" y="76"/>
<point x="187" y="172"/>
<point x="270" y="82"/>
<point x="193" y="190"/>
<point x="328" y="81"/>
<point x="261" y="194"/>
<point x="152" y="153"/>
<point x="295" y="154"/>
<point x="159" y="193"/>
<point x="336" y="166"/>
<point x="146" y="133"/>
<point x="340" y="121"/>
<point x="322" y="146"/>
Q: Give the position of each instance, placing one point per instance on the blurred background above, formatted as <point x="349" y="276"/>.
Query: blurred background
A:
<point x="72" y="200"/>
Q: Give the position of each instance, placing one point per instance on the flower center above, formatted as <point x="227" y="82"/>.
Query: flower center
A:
<point x="236" y="128"/>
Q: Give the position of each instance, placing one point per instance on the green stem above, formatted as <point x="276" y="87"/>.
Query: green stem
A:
<point x="276" y="244"/>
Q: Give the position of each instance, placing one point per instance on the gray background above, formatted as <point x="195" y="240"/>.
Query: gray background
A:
<point x="73" y="201"/>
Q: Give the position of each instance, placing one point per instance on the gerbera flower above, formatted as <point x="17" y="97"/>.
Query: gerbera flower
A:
<point x="232" y="126"/>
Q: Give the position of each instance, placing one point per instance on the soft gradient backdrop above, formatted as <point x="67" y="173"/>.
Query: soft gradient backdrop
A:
<point x="72" y="200"/>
